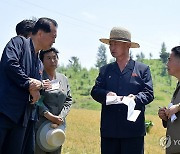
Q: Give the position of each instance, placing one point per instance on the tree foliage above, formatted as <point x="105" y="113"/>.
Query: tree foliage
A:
<point x="140" y="57"/>
<point x="101" y="56"/>
<point x="130" y="54"/>
<point x="163" y="54"/>
<point x="74" y="64"/>
<point x="150" y="55"/>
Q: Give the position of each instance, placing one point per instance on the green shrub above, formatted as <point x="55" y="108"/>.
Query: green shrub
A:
<point x="149" y="124"/>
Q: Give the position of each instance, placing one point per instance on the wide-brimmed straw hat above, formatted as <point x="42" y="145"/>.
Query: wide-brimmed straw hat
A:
<point x="50" y="139"/>
<point x="120" y="34"/>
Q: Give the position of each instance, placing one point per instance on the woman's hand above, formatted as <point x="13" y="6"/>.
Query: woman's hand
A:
<point x="53" y="118"/>
<point x="162" y="113"/>
<point x="56" y="120"/>
<point x="47" y="84"/>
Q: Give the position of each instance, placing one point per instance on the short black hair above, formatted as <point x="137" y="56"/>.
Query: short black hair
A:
<point x="44" y="24"/>
<point x="176" y="51"/>
<point x="25" y="27"/>
<point x="43" y="52"/>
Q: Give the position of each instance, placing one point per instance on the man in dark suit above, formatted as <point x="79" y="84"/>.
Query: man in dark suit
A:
<point x="124" y="77"/>
<point x="21" y="71"/>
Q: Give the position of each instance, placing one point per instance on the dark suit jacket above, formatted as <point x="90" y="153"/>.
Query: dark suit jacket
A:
<point x="18" y="63"/>
<point x="135" y="79"/>
<point x="173" y="128"/>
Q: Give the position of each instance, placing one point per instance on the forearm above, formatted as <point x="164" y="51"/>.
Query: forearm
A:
<point x="53" y="118"/>
<point x="48" y="115"/>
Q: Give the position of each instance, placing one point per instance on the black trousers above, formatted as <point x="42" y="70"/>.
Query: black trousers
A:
<point x="29" y="139"/>
<point x="122" y="145"/>
<point x="11" y="136"/>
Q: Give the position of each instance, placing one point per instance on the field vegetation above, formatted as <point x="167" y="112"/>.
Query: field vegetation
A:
<point x="82" y="134"/>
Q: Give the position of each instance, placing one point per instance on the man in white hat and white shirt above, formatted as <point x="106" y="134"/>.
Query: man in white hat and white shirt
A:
<point x="124" y="77"/>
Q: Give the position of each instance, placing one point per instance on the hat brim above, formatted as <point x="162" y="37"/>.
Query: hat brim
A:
<point x="41" y="137"/>
<point x="106" y="41"/>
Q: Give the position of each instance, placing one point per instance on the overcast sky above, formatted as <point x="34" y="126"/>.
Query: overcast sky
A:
<point x="83" y="22"/>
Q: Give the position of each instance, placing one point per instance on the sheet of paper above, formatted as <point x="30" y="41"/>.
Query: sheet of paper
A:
<point x="54" y="85"/>
<point x="113" y="100"/>
<point x="132" y="114"/>
<point x="133" y="117"/>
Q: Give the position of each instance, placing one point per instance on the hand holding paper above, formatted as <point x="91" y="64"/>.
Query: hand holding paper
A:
<point x="113" y="100"/>
<point x="132" y="114"/>
<point x="55" y="84"/>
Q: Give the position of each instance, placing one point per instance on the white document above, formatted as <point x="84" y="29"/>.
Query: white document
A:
<point x="54" y="85"/>
<point x="113" y="100"/>
<point x="173" y="117"/>
<point x="132" y="114"/>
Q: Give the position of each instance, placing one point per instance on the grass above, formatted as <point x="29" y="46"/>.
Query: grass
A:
<point x="152" y="139"/>
<point x="83" y="136"/>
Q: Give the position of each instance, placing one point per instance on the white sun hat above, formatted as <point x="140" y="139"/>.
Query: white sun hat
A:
<point x="50" y="139"/>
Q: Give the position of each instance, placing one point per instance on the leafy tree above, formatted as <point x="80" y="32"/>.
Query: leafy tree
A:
<point x="130" y="54"/>
<point x="74" y="64"/>
<point x="150" y="55"/>
<point x="101" y="56"/>
<point x="163" y="54"/>
<point x="140" y="57"/>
